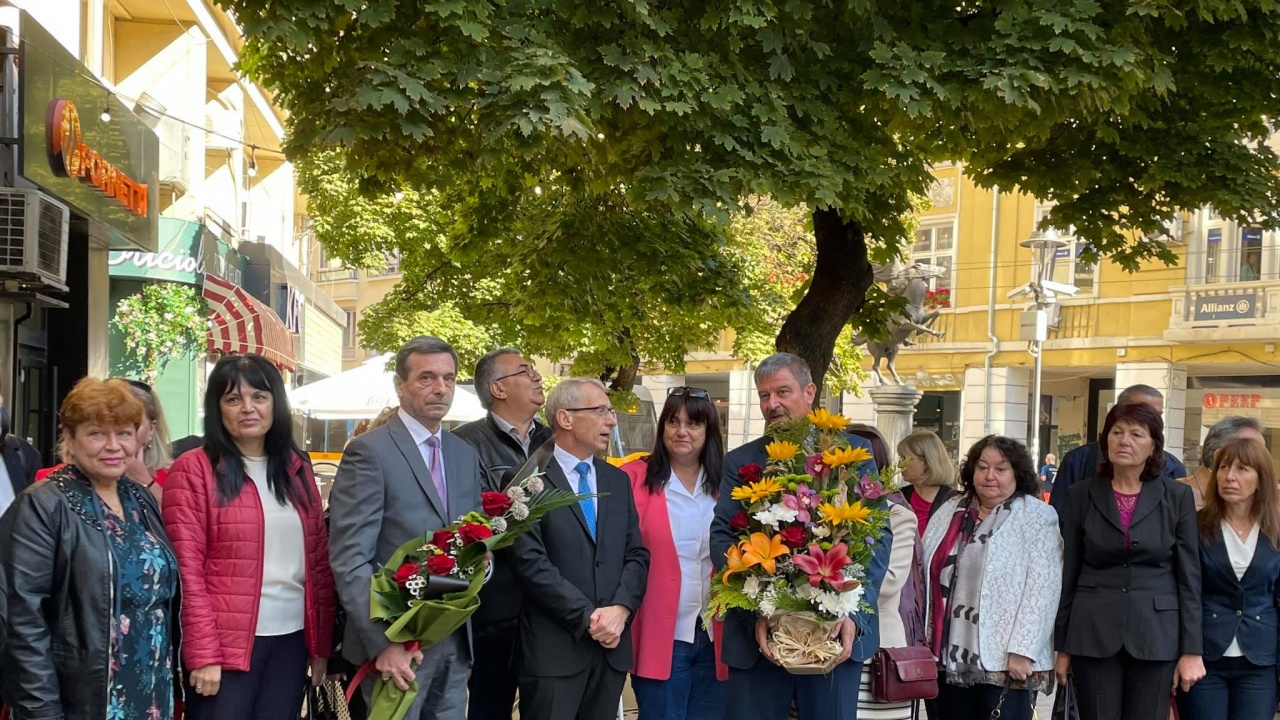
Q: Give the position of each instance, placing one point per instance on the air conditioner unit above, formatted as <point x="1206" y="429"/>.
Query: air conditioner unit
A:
<point x="33" y="237"/>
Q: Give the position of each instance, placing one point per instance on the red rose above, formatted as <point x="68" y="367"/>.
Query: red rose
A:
<point x="495" y="503"/>
<point x="751" y="472"/>
<point x="441" y="539"/>
<point x="472" y="532"/>
<point x="405" y="572"/>
<point x="792" y="536"/>
<point x="440" y="564"/>
<point x="739" y="522"/>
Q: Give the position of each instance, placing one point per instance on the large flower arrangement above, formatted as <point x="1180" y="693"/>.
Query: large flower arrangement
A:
<point x="811" y="519"/>
<point x="430" y="586"/>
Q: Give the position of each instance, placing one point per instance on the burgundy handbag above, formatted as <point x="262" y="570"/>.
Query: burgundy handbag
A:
<point x="907" y="673"/>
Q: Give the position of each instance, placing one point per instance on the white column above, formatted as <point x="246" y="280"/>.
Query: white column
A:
<point x="1169" y="379"/>
<point x="895" y="413"/>
<point x="859" y="409"/>
<point x="745" y="422"/>
<point x="1010" y="394"/>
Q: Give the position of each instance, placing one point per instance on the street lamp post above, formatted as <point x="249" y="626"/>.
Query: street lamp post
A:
<point x="1044" y="246"/>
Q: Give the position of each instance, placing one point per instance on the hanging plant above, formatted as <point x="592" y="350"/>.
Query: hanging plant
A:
<point x="164" y="322"/>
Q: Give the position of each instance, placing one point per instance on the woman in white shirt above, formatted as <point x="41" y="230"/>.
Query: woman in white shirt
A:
<point x="1239" y="569"/>
<point x="675" y="676"/>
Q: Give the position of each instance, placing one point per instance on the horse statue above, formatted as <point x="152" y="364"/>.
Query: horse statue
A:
<point x="911" y="282"/>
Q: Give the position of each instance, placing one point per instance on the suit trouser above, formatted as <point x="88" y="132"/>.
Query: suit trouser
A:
<point x="272" y="687"/>
<point x="592" y="694"/>
<point x="1122" y="687"/>
<point x="442" y="681"/>
<point x="765" y="692"/>
<point x="493" y="674"/>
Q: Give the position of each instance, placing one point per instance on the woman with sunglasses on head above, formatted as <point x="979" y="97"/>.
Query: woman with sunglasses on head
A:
<point x="674" y="675"/>
<point x="255" y="613"/>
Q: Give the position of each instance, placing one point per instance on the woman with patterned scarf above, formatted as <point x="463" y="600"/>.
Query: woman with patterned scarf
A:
<point x="993" y="567"/>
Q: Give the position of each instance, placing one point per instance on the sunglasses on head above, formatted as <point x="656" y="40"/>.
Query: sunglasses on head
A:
<point x="689" y="392"/>
<point x="139" y="385"/>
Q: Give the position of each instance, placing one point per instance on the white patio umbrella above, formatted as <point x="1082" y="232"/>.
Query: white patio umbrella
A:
<point x="362" y="392"/>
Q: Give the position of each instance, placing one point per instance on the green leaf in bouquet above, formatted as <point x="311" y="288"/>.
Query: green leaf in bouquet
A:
<point x="539" y="505"/>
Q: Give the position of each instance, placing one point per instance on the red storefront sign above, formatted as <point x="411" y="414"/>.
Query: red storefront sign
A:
<point x="1244" y="401"/>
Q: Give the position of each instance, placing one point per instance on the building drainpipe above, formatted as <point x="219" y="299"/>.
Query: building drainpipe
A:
<point x="991" y="310"/>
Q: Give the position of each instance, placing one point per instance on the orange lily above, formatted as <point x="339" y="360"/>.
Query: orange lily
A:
<point x="761" y="550"/>
<point x="733" y="563"/>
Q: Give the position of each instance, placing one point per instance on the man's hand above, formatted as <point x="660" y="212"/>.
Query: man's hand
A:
<point x="206" y="680"/>
<point x="607" y="624"/>
<point x="762" y="639"/>
<point x="318" y="668"/>
<point x="397" y="664"/>
<point x="1019" y="667"/>
<point x="847" y="631"/>
<point x="1061" y="666"/>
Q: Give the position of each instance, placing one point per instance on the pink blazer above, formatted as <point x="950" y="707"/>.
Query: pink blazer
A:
<point x="653" y="630"/>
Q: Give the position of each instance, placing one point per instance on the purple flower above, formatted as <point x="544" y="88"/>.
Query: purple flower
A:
<point x="870" y="489"/>
<point x="870" y="540"/>
<point x="795" y="503"/>
<point x="813" y="466"/>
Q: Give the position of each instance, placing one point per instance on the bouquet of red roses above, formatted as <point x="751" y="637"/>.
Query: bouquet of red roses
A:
<point x="430" y="586"/>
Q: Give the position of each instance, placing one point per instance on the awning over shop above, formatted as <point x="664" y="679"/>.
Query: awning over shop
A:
<point x="242" y="324"/>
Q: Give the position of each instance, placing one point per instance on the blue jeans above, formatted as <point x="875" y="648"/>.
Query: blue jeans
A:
<point x="692" y="692"/>
<point x="1232" y="689"/>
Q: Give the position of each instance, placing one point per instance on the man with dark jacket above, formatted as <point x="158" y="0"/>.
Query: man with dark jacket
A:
<point x="1082" y="463"/>
<point x="21" y="461"/>
<point x="511" y="390"/>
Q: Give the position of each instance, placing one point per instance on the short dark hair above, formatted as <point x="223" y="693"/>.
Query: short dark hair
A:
<point x="487" y="372"/>
<point x="423" y="345"/>
<point x="1133" y="392"/>
<point x="1026" y="482"/>
<point x="1134" y="414"/>
<point x="701" y="411"/>
<point x="879" y="448"/>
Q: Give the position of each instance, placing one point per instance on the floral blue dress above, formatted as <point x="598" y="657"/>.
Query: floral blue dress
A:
<point x="140" y="681"/>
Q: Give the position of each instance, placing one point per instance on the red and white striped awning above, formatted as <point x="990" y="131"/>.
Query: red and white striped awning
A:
<point x="242" y="324"/>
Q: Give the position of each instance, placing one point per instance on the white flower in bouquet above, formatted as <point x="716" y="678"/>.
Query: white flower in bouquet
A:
<point x="769" y="601"/>
<point x="821" y="531"/>
<point x="516" y="493"/>
<point x="498" y="525"/>
<point x="534" y="485"/>
<point x="838" y="604"/>
<point x="519" y="511"/>
<point x="415" y="585"/>
<point x="776" y="514"/>
<point x="752" y="587"/>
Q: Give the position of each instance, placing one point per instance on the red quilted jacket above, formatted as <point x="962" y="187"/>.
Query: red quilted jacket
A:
<point x="220" y="548"/>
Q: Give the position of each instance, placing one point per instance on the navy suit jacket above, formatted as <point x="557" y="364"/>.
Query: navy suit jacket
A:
<point x="1082" y="463"/>
<point x="1243" y="609"/>
<point x="740" y="648"/>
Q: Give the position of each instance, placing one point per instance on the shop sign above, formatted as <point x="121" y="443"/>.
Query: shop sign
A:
<point x="1243" y="401"/>
<point x="187" y="250"/>
<point x="1235" y="306"/>
<point x="72" y="158"/>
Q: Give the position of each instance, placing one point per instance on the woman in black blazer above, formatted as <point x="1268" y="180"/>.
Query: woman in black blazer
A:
<point x="1240" y="565"/>
<point x="1129" y="620"/>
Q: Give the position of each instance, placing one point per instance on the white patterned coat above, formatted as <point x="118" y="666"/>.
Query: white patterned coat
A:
<point x="1020" y="585"/>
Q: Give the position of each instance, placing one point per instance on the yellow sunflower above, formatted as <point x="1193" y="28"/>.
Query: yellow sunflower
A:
<point x="824" y="420"/>
<point x="838" y="457"/>
<point x="756" y="490"/>
<point x="837" y="514"/>
<point x="781" y="450"/>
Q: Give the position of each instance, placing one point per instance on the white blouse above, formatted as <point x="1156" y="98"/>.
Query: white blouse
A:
<point x="690" y="515"/>
<point x="282" y="606"/>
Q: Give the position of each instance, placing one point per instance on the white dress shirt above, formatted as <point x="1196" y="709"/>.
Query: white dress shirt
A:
<point x="569" y="464"/>
<point x="420" y="433"/>
<point x="1240" y="553"/>
<point x="6" y="486"/>
<point x="690" y="514"/>
<point x="282" y="605"/>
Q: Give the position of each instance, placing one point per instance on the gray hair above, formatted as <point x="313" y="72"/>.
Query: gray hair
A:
<point x="567" y="394"/>
<point x="777" y="362"/>
<point x="1133" y="392"/>
<point x="487" y="372"/>
<point x="423" y="345"/>
<point x="1222" y="431"/>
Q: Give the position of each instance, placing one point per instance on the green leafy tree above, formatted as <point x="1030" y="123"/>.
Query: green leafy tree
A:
<point x="1121" y="112"/>
<point x="162" y="323"/>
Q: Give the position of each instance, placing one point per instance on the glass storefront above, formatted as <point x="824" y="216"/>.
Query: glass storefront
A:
<point x="1210" y="399"/>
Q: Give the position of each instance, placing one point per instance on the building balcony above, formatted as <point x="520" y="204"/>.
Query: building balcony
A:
<point x="1225" y="311"/>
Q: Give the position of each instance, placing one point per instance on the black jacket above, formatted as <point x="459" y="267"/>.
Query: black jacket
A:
<point x="1082" y="464"/>
<point x="944" y="494"/>
<point x="1243" y="609"/>
<point x="566" y="576"/>
<point x="21" y="460"/>
<point x="501" y="456"/>
<point x="1143" y="595"/>
<point x="58" y="588"/>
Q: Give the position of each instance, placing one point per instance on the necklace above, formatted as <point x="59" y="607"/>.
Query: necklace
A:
<point x="1242" y="534"/>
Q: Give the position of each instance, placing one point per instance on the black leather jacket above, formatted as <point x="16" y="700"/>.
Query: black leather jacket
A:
<point x="59" y="590"/>
<point x="501" y="456"/>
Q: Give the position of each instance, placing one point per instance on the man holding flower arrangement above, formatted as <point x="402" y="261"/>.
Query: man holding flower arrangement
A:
<point x="800" y="543"/>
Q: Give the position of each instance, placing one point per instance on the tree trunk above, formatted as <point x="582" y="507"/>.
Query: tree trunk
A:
<point x="626" y="376"/>
<point x="841" y="277"/>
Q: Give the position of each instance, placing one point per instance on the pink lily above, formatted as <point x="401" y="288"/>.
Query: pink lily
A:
<point x="824" y="566"/>
<point x="795" y="503"/>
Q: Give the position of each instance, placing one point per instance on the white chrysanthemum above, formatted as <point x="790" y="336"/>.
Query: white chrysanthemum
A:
<point x="516" y="493"/>
<point x="498" y="524"/>
<point x="776" y="514"/>
<point x="821" y="531"/>
<point x="769" y="602"/>
<point x="752" y="587"/>
<point x="534" y="485"/>
<point x="519" y="511"/>
<point x="415" y="584"/>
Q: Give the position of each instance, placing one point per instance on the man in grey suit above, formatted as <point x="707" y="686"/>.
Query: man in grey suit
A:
<point x="395" y="483"/>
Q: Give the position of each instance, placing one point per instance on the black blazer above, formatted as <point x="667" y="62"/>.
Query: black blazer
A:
<point x="1143" y="597"/>
<point x="21" y="460"/>
<point x="1245" y="608"/>
<point x="566" y="576"/>
<point x="944" y="494"/>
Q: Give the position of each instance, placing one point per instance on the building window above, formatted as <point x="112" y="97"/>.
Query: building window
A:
<point x="392" y="266"/>
<point x="350" y="337"/>
<point x="936" y="245"/>
<point x="1070" y="268"/>
<point x="1227" y="252"/>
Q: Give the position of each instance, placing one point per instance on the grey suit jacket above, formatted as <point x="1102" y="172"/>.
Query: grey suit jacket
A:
<point x="383" y="497"/>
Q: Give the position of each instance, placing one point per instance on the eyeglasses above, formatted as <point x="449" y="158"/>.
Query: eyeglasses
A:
<point x="525" y="370"/>
<point x="692" y="392"/>
<point x="597" y="410"/>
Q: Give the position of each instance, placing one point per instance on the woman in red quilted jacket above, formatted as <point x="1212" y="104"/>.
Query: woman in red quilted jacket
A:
<point x="255" y="614"/>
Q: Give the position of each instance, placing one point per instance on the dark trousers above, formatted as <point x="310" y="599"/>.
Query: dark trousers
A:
<point x="1121" y="687"/>
<point x="592" y="694"/>
<point x="1232" y="689"/>
<point x="766" y="691"/>
<point x="691" y="692"/>
<point x="978" y="702"/>
<point x="271" y="689"/>
<point x="493" y="682"/>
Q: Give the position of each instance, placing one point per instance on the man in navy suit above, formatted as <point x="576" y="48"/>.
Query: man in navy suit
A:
<point x="758" y="688"/>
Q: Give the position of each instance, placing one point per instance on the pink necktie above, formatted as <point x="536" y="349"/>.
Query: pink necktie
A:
<point x="437" y="471"/>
